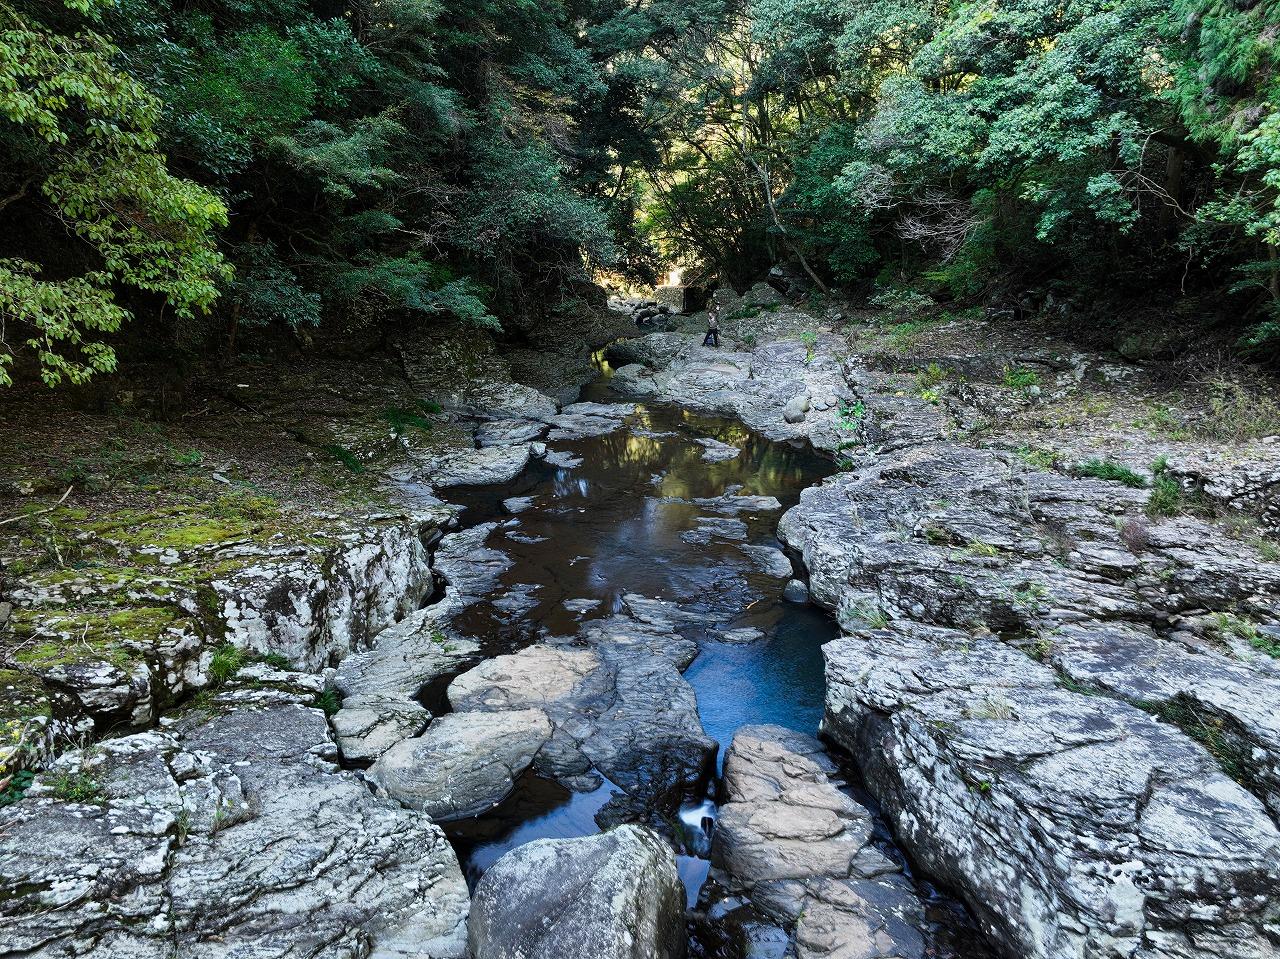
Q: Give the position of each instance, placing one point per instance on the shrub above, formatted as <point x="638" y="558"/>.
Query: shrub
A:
<point x="931" y="376"/>
<point x="899" y="300"/>
<point x="1038" y="457"/>
<point x="1020" y="378"/>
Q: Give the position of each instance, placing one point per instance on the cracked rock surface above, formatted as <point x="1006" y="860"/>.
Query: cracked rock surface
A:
<point x="800" y="850"/>
<point x="222" y="833"/>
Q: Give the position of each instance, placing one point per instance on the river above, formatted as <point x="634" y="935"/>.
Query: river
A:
<point x="619" y="516"/>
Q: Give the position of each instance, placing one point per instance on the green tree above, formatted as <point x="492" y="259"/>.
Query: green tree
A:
<point x="84" y="137"/>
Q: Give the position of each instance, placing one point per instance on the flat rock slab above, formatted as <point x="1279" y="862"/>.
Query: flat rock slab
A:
<point x="563" y="460"/>
<point x="464" y="764"/>
<point x="715" y="528"/>
<point x="493" y="464"/>
<point x="614" y="411"/>
<point x="508" y="432"/>
<point x="802" y="851"/>
<point x="380" y="686"/>
<point x="616" y="895"/>
<point x="576" y="426"/>
<point x="734" y="503"/>
<point x="745" y="634"/>
<point x="471" y="569"/>
<point x="714" y="451"/>
<point x="769" y="560"/>
<point x="230" y="829"/>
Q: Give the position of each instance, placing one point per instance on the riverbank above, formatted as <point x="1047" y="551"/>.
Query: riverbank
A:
<point x="996" y="508"/>
<point x="1057" y="578"/>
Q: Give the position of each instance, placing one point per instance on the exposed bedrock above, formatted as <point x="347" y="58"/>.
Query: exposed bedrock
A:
<point x="611" y="896"/>
<point x="1056" y="699"/>
<point x="1072" y="825"/>
<point x="226" y="834"/>
<point x="382" y="686"/>
<point x="965" y="538"/>
<point x="310" y="597"/>
<point x="800" y="852"/>
<point x="783" y="389"/>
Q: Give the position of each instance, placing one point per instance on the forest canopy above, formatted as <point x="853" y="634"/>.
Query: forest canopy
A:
<point x="196" y="168"/>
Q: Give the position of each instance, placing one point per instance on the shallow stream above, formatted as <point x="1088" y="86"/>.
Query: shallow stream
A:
<point x="622" y="519"/>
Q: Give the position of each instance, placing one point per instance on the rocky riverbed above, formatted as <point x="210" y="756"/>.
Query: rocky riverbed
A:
<point x="389" y="714"/>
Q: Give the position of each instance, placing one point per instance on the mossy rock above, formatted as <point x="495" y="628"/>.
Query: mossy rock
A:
<point x="41" y="640"/>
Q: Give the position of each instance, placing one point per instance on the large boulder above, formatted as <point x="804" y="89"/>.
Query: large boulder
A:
<point x="617" y="705"/>
<point x="464" y="764"/>
<point x="616" y="895"/>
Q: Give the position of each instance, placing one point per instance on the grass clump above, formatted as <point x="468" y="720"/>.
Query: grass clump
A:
<point x="1237" y="411"/>
<point x="1228" y="624"/>
<point x="1215" y="733"/>
<point x="902" y="336"/>
<point x="1038" y="457"/>
<point x="1107" y="470"/>
<point x="810" y="341"/>
<point x="328" y="701"/>
<point x="870" y="617"/>
<point x="344" y="456"/>
<point x="227" y="661"/>
<point x="1020" y="378"/>
<point x="1163" y="421"/>
<point x="1167" y="495"/>
<point x="932" y="376"/>
<point x="76" y="787"/>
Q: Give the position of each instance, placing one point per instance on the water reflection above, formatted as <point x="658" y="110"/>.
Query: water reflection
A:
<point x="620" y="522"/>
<point x="537" y="809"/>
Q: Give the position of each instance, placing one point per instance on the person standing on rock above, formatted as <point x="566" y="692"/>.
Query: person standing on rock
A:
<point x="713" y="333"/>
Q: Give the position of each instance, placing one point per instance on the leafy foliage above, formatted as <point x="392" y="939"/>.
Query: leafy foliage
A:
<point x="85" y="135"/>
